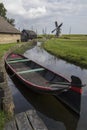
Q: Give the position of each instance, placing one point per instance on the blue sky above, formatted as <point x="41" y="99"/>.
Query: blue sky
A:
<point x="41" y="14"/>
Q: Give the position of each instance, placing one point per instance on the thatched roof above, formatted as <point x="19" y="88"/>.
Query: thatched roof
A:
<point x="7" y="28"/>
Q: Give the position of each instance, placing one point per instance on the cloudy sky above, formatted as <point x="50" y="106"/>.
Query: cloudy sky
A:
<point x="41" y="14"/>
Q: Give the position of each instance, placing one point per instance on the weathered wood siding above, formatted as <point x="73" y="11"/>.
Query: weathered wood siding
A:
<point x="9" y="38"/>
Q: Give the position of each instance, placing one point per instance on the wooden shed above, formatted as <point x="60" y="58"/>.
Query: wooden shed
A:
<point x="27" y="35"/>
<point x="8" y="33"/>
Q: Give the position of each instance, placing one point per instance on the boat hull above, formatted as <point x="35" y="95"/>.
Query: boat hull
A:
<point x="35" y="83"/>
<point x="44" y="81"/>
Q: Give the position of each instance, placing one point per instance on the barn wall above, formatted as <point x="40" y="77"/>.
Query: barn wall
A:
<point x="9" y="38"/>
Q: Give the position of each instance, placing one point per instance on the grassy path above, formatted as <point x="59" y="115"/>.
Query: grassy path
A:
<point x="3" y="49"/>
<point x="72" y="49"/>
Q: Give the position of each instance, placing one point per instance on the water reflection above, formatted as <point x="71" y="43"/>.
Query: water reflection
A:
<point x="20" y="102"/>
<point x="54" y="114"/>
<point x="39" y="55"/>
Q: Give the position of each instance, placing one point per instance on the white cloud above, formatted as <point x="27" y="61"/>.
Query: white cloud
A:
<point x="36" y="12"/>
<point x="44" y="12"/>
<point x="29" y="9"/>
<point x="39" y="8"/>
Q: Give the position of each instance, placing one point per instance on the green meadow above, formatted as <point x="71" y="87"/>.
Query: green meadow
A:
<point x="72" y="48"/>
<point x="5" y="47"/>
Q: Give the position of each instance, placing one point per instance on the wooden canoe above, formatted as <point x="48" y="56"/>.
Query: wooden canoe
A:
<point x="33" y="75"/>
<point x="42" y="80"/>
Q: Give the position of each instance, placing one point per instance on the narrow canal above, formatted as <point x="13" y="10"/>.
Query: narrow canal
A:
<point x="55" y="115"/>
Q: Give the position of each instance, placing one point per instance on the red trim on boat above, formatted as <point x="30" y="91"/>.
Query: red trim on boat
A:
<point x="27" y="82"/>
<point x="78" y="90"/>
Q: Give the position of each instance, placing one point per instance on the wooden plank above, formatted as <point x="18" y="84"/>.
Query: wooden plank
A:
<point x="22" y="122"/>
<point x="35" y="120"/>
<point x="32" y="70"/>
<point x="16" y="61"/>
<point x="11" y="126"/>
<point x="26" y="121"/>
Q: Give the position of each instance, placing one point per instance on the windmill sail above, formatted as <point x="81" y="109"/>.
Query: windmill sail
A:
<point x="56" y="24"/>
<point x="57" y="29"/>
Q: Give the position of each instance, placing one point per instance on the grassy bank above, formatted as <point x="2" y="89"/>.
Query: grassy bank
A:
<point x="5" y="47"/>
<point x="25" y="46"/>
<point x="72" y="48"/>
<point x="19" y="48"/>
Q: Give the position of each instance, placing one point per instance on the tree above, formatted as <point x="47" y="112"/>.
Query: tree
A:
<point x="3" y="12"/>
<point x="11" y="21"/>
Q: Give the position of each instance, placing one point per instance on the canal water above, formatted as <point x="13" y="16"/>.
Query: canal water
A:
<point x="54" y="114"/>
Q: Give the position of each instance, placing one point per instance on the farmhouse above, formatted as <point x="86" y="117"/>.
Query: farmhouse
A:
<point x="8" y="33"/>
<point x="27" y="35"/>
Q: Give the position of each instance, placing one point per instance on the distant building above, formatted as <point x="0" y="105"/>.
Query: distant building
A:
<point x="27" y="35"/>
<point x="8" y="33"/>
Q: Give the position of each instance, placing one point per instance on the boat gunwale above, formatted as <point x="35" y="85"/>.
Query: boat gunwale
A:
<point x="30" y="83"/>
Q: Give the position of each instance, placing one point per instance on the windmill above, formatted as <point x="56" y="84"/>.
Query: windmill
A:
<point x="57" y="29"/>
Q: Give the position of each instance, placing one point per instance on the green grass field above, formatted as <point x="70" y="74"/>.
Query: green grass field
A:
<point x="5" y="47"/>
<point x="72" y="48"/>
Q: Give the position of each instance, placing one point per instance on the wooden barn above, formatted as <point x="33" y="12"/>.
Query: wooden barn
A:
<point x="27" y="35"/>
<point x="8" y="33"/>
